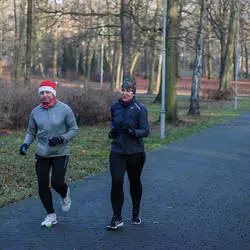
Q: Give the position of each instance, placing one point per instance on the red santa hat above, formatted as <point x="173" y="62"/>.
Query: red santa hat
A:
<point x="48" y="86"/>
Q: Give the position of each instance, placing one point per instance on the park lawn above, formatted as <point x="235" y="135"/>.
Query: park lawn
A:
<point x="90" y="150"/>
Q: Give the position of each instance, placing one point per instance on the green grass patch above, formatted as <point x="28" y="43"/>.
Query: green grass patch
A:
<point x="90" y="150"/>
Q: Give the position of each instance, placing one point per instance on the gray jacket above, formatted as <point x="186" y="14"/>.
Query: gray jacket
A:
<point x="44" y="124"/>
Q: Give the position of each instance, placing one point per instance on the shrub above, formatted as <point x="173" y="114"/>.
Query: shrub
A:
<point x="90" y="107"/>
<point x="215" y="94"/>
<point x="16" y="104"/>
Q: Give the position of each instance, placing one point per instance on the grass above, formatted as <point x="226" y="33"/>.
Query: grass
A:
<point x="90" y="150"/>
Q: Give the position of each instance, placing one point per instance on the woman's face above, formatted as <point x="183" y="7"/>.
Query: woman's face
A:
<point x="127" y="95"/>
<point x="46" y="96"/>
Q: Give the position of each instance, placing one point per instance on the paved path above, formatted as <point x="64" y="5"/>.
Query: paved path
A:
<point x="196" y="196"/>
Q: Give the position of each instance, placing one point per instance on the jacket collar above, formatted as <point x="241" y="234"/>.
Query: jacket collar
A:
<point x="126" y="104"/>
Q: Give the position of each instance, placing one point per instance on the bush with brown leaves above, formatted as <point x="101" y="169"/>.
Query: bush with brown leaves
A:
<point x="89" y="106"/>
<point x="215" y="94"/>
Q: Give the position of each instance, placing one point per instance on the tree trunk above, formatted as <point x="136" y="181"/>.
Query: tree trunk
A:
<point x="121" y="78"/>
<point x="89" y="51"/>
<point x="147" y="60"/>
<point x="234" y="65"/>
<point x="27" y="74"/>
<point x="209" y="54"/>
<point x="204" y="71"/>
<point x="40" y="61"/>
<point x="114" y="68"/>
<point x="55" y="54"/>
<point x="171" y="61"/>
<point x="246" y="61"/>
<point x="1" y="50"/>
<point x="152" y="73"/>
<point x="126" y="37"/>
<point x="88" y="62"/>
<point x="16" y="47"/>
<point x="222" y="56"/>
<point x="180" y="10"/>
<point x="158" y="83"/>
<point x="108" y="55"/>
<point x="119" y="69"/>
<point x="19" y="42"/>
<point x="226" y="78"/>
<point x="194" y="107"/>
<point x="159" y="73"/>
<point x="241" y="66"/>
<point x="135" y="60"/>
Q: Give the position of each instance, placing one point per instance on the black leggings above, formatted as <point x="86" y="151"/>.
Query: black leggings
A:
<point x="118" y="165"/>
<point x="59" y="166"/>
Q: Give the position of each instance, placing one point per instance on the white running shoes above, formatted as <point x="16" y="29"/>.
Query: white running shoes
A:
<point x="49" y="220"/>
<point x="66" y="202"/>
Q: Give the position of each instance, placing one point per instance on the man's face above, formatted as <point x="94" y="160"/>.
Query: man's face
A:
<point x="46" y="96"/>
<point x="127" y="94"/>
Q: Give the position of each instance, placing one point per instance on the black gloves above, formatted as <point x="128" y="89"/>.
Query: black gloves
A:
<point x="130" y="132"/>
<point x="23" y="149"/>
<point x="113" y="133"/>
<point x="55" y="141"/>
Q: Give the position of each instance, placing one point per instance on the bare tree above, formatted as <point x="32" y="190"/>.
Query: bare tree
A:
<point x="27" y="74"/>
<point x="219" y="16"/>
<point x="209" y="53"/>
<point x="171" y="60"/>
<point x="246" y="60"/>
<point x="194" y="107"/>
<point x="126" y="37"/>
<point x="226" y="77"/>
